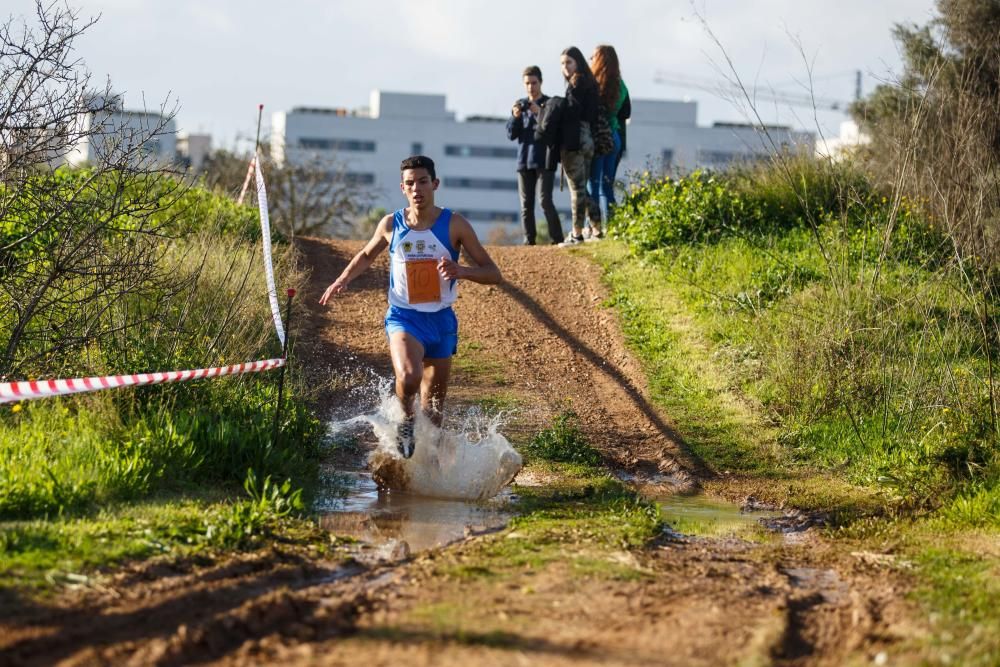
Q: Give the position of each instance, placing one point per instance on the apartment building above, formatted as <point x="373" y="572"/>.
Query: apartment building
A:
<point x="109" y="132"/>
<point x="475" y="160"/>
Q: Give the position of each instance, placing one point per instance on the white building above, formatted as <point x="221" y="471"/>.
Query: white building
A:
<point x="111" y="132"/>
<point x="837" y="148"/>
<point x="193" y="149"/>
<point x="475" y="161"/>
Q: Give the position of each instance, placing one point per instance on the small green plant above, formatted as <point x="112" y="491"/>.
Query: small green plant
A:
<point x="564" y="442"/>
<point x="270" y="499"/>
<point x="243" y="524"/>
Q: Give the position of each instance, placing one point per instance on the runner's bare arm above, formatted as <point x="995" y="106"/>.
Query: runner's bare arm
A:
<point x="361" y="261"/>
<point x="464" y="239"/>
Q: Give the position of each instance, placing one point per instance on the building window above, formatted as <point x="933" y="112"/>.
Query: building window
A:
<point x="316" y="143"/>
<point x="667" y="157"/>
<point x="359" y="178"/>
<point x="463" y="150"/>
<point x="480" y="183"/>
<point x="714" y="158"/>
<point x="492" y="216"/>
<point x="416" y="148"/>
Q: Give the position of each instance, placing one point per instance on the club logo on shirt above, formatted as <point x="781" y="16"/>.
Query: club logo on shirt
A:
<point x="407" y="246"/>
<point x="420" y="246"/>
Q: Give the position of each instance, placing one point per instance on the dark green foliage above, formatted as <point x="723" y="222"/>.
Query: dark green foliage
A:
<point x="755" y="202"/>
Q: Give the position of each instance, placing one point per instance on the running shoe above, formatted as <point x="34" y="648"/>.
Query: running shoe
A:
<point x="571" y="240"/>
<point x="405" y="441"/>
<point x="599" y="236"/>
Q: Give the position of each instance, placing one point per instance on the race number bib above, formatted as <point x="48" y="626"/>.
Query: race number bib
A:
<point x="422" y="281"/>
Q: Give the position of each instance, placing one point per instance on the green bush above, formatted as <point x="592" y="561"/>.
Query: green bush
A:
<point x="761" y="200"/>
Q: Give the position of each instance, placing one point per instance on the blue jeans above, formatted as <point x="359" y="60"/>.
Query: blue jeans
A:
<point x="601" y="187"/>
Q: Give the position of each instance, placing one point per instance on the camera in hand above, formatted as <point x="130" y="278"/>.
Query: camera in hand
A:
<point x="525" y="106"/>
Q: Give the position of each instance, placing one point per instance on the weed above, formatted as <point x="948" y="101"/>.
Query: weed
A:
<point x="563" y="442"/>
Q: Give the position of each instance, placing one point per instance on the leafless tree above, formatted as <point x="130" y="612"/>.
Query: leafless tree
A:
<point x="78" y="247"/>
<point x="313" y="195"/>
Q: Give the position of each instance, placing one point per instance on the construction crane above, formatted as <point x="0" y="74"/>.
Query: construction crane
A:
<point x="730" y="90"/>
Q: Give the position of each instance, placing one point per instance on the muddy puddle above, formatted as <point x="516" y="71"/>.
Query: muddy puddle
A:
<point x="708" y="517"/>
<point x="395" y="524"/>
<point x="455" y="485"/>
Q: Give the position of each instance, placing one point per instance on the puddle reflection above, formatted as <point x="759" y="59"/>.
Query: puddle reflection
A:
<point x="699" y="515"/>
<point x="394" y="518"/>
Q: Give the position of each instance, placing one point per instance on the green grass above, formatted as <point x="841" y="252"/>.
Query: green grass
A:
<point x="961" y="589"/>
<point x="39" y="554"/>
<point x="581" y="516"/>
<point x="474" y="362"/>
<point x="692" y="379"/>
<point x="955" y="580"/>
<point x="881" y="390"/>
<point x="781" y="327"/>
<point x="505" y="402"/>
<point x="64" y="457"/>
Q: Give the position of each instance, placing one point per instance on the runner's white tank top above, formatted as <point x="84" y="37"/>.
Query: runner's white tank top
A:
<point x="414" y="281"/>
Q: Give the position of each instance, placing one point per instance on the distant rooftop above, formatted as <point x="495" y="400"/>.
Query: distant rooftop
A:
<point x="486" y="119"/>
<point x="751" y="126"/>
<point x="431" y="107"/>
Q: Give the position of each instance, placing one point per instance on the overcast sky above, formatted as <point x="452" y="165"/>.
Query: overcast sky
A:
<point x="220" y="58"/>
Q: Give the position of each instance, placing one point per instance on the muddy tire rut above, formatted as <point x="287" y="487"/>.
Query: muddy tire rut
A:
<point x="545" y="338"/>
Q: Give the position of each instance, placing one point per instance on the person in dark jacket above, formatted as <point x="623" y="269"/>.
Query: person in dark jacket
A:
<point x="579" y="116"/>
<point x="536" y="163"/>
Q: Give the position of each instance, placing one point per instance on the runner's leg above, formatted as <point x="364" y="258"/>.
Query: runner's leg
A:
<point x="434" y="388"/>
<point x="407" y="362"/>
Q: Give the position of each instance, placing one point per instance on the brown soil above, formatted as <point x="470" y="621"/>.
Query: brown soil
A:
<point x="543" y="339"/>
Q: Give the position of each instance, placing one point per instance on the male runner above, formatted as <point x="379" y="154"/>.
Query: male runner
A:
<point x="424" y="242"/>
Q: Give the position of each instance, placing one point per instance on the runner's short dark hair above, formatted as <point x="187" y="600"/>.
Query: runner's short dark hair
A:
<point x="533" y="70"/>
<point x="418" y="162"/>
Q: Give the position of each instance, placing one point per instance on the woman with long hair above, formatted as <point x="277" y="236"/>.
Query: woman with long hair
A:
<point x="577" y="143"/>
<point x="616" y="107"/>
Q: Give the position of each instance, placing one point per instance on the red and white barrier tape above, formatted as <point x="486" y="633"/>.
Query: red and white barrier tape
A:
<point x="246" y="181"/>
<point x="265" y="228"/>
<point x="26" y="390"/>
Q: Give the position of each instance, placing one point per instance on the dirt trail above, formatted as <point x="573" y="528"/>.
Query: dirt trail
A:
<point x="544" y="339"/>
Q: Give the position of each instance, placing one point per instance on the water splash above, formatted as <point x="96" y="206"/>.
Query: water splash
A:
<point x="473" y="462"/>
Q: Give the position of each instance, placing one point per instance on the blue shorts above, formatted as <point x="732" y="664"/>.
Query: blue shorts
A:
<point x="437" y="332"/>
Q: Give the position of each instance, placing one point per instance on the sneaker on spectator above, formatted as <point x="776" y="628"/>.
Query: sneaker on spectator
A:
<point x="572" y="240"/>
<point x="599" y="236"/>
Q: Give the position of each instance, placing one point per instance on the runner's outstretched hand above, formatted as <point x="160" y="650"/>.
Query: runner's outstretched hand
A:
<point x="336" y="287"/>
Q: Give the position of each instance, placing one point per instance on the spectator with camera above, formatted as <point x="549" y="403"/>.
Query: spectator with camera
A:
<point x="536" y="162"/>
